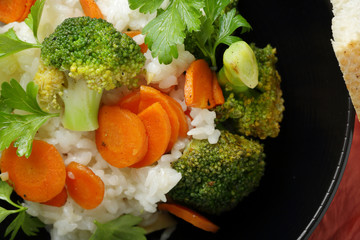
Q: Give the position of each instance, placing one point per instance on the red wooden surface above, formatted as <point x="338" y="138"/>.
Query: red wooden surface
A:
<point x="342" y="219"/>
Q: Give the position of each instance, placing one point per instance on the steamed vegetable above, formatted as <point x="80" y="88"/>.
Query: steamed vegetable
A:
<point x="14" y="10"/>
<point x="84" y="186"/>
<point x="189" y="215"/>
<point x="91" y="9"/>
<point x="149" y="96"/>
<point x="158" y="131"/>
<point x="215" y="177"/>
<point x="201" y="86"/>
<point x="92" y="56"/>
<point x="240" y="70"/>
<point x="121" y="137"/>
<point x="255" y="112"/>
<point x="38" y="178"/>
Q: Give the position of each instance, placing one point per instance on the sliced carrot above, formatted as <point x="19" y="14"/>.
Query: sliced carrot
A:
<point x="158" y="129"/>
<point x="38" y="178"/>
<point x="13" y="10"/>
<point x="189" y="215"/>
<point x="84" y="186"/>
<point x="59" y="200"/>
<point x="29" y="4"/>
<point x="198" y="85"/>
<point x="134" y="33"/>
<point x="183" y="124"/>
<point x="91" y="9"/>
<point x="217" y="91"/>
<point x="121" y="137"/>
<point x="130" y="102"/>
<point x="149" y="96"/>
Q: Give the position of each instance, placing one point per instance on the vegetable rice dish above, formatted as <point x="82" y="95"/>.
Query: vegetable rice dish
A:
<point x="119" y="118"/>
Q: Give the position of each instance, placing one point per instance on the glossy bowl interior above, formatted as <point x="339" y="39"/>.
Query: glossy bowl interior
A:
<point x="306" y="161"/>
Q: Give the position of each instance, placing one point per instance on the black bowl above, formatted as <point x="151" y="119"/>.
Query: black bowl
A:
<point x="305" y="163"/>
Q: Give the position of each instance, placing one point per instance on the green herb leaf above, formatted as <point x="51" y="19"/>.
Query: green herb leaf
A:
<point x="167" y="30"/>
<point x="28" y="224"/>
<point x="228" y="24"/>
<point x="21" y="129"/>
<point x="217" y="27"/>
<point x="15" y="225"/>
<point x="18" y="127"/>
<point x="31" y="225"/>
<point x="16" y="97"/>
<point x="5" y="193"/>
<point x="4" y="213"/>
<point x="190" y="13"/>
<point x="146" y="6"/>
<point x="121" y="228"/>
<point x="164" y="33"/>
<point x="33" y="20"/>
<point x="10" y="43"/>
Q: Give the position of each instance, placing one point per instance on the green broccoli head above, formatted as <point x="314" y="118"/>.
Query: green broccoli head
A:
<point x="215" y="177"/>
<point x="93" y="50"/>
<point x="256" y="112"/>
<point x="81" y="58"/>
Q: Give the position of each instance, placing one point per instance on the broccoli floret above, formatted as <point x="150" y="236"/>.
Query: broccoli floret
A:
<point x="256" y="112"/>
<point x="92" y="56"/>
<point x="216" y="177"/>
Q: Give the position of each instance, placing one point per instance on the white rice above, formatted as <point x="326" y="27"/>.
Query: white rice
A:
<point x="127" y="190"/>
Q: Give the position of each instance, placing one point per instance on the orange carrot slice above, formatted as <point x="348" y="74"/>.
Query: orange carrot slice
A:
<point x="59" y="200"/>
<point x="158" y="129"/>
<point x="217" y="91"/>
<point x="149" y="96"/>
<point x="38" y="178"/>
<point x="183" y="124"/>
<point x="84" y="186"/>
<point x="14" y="10"/>
<point x="121" y="137"/>
<point x="91" y="9"/>
<point x="198" y="85"/>
<point x="130" y="102"/>
<point x="29" y="4"/>
<point x="134" y="33"/>
<point x="189" y="215"/>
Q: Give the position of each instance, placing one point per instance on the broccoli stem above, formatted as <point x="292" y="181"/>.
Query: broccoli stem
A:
<point x="81" y="106"/>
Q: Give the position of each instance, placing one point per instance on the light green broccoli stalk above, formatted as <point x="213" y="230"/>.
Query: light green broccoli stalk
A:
<point x="86" y="55"/>
<point x="216" y="177"/>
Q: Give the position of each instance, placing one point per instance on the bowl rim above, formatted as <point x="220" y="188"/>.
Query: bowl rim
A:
<point x="339" y="172"/>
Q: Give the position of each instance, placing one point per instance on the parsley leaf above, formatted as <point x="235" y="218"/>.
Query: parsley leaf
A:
<point x="20" y="128"/>
<point x="146" y="6"/>
<point x="10" y="43"/>
<point x="217" y="27"/>
<point x="121" y="228"/>
<point x="33" y="19"/>
<point x="30" y="225"/>
<point x="164" y="33"/>
<point x="167" y="30"/>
